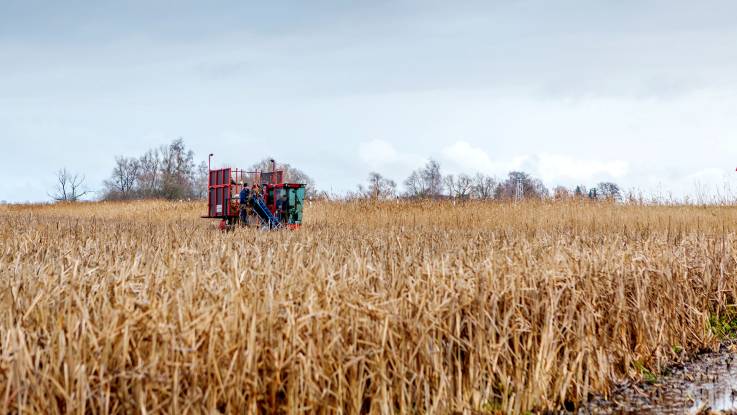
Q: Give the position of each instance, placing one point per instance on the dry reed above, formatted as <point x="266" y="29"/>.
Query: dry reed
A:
<point x="379" y="308"/>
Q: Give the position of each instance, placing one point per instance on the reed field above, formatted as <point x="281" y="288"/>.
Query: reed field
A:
<point x="394" y="307"/>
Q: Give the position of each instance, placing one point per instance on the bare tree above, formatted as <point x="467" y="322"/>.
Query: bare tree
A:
<point x="465" y="186"/>
<point x="432" y="178"/>
<point x="177" y="170"/>
<point x="459" y="187"/>
<point x="165" y="172"/>
<point x="483" y="186"/>
<point x="425" y="182"/>
<point x="531" y="187"/>
<point x="449" y="182"/>
<point x="379" y="187"/>
<point x="199" y="189"/>
<point x="122" y="182"/>
<point x="413" y="185"/>
<point x="69" y="186"/>
<point x="608" y="191"/>
<point x="149" y="173"/>
<point x="581" y="191"/>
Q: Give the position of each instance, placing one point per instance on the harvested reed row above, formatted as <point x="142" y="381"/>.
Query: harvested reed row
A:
<point x="381" y="308"/>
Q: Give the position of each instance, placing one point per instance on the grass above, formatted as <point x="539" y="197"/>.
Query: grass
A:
<point x="724" y="325"/>
<point x="647" y="375"/>
<point x="370" y="307"/>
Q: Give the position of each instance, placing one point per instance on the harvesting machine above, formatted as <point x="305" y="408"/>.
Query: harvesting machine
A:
<point x="266" y="193"/>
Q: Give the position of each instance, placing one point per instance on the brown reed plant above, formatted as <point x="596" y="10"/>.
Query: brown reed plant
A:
<point x="395" y="307"/>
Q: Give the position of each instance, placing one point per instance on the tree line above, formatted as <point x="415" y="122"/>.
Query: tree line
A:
<point x="164" y="172"/>
<point x="429" y="182"/>
<point x="171" y="172"/>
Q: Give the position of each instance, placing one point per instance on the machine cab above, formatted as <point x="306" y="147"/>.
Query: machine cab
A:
<point x="295" y="193"/>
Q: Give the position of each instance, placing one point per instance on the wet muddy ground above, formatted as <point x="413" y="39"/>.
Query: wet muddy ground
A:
<point x="707" y="384"/>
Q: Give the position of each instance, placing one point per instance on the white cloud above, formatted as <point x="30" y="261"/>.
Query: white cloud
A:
<point x="562" y="167"/>
<point x="383" y="157"/>
<point x="377" y="152"/>
<point x="464" y="157"/>
<point x="382" y="154"/>
<point x="465" y="154"/>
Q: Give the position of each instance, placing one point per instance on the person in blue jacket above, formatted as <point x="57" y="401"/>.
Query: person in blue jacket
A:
<point x="282" y="208"/>
<point x="243" y="204"/>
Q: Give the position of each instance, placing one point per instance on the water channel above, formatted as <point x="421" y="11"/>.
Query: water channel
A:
<point x="706" y="384"/>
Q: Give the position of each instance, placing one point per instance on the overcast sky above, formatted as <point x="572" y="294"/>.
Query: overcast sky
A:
<point x="643" y="93"/>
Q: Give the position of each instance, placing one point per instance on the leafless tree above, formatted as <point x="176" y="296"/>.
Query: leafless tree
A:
<point x="425" y="182"/>
<point x="459" y="187"/>
<point x="166" y="172"/>
<point x="581" y="191"/>
<point x="483" y="186"/>
<point x="200" y="183"/>
<point x="379" y="187"/>
<point x="432" y="178"/>
<point x="69" y="186"/>
<point x="122" y="182"/>
<point x="608" y="191"/>
<point x="177" y="170"/>
<point x="149" y="166"/>
<point x="465" y="185"/>
<point x="413" y="185"/>
<point x="449" y="182"/>
<point x="531" y="187"/>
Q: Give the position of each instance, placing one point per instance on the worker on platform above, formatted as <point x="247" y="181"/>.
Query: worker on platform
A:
<point x="255" y="191"/>
<point x="244" y="204"/>
<point x="282" y="207"/>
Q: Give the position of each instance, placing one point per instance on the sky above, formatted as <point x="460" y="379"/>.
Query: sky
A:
<point x="642" y="93"/>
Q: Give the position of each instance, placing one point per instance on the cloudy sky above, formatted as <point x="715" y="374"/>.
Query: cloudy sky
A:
<point x="643" y="92"/>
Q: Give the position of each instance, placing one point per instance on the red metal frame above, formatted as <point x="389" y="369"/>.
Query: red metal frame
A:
<point x="225" y="184"/>
<point x="219" y="193"/>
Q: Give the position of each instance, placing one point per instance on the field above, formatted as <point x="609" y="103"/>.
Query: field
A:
<point x="375" y="308"/>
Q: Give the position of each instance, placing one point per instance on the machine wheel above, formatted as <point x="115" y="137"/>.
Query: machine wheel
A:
<point x="227" y="224"/>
